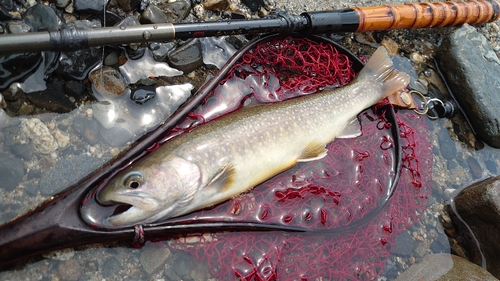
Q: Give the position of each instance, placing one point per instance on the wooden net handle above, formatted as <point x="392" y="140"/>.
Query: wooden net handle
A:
<point x="421" y="15"/>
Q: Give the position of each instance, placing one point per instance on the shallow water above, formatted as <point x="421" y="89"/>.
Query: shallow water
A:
<point x="457" y="162"/>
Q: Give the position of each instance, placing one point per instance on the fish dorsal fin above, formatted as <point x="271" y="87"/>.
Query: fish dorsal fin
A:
<point x="313" y="151"/>
<point x="223" y="179"/>
<point x="351" y="130"/>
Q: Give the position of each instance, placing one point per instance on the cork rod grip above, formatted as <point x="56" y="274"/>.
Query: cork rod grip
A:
<point x="422" y="15"/>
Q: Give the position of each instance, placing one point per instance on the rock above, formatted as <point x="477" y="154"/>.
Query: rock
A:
<point x="117" y="135"/>
<point x="478" y="206"/>
<point x="111" y="59"/>
<point x="77" y="64"/>
<point x="90" y="6"/>
<point x="88" y="129"/>
<point x="22" y="150"/>
<point x="153" y="257"/>
<point x="187" y="57"/>
<point x="404" y="244"/>
<point x="161" y="50"/>
<point x="175" y="11"/>
<point x="475" y="88"/>
<point x="108" y="82"/>
<point x="129" y="5"/>
<point x="11" y="171"/>
<point x="5" y="7"/>
<point x="53" y="99"/>
<point x="216" y="5"/>
<point x="70" y="270"/>
<point x="474" y="168"/>
<point x="67" y="172"/>
<point x="75" y="89"/>
<point x="111" y="267"/>
<point x="153" y="14"/>
<point x="254" y="5"/>
<point x="492" y="166"/>
<point x="446" y="145"/>
<point x="41" y="16"/>
<point x="444" y="267"/>
<point x="143" y="94"/>
<point x="42" y="140"/>
<point x="146" y="67"/>
<point x="17" y="27"/>
<point x="16" y="68"/>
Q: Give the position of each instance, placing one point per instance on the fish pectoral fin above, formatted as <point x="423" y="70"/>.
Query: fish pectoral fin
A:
<point x="351" y="130"/>
<point x="313" y="151"/>
<point x="222" y="180"/>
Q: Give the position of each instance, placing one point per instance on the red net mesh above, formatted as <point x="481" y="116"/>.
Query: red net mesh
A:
<point x="334" y="192"/>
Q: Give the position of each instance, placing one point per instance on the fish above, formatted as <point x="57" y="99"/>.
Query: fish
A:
<point x="225" y="157"/>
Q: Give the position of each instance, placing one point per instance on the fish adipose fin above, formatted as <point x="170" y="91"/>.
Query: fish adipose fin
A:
<point x="380" y="67"/>
<point x="223" y="180"/>
<point x="313" y="151"/>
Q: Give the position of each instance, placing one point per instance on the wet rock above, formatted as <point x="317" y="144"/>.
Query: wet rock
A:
<point x="181" y="265"/>
<point x="17" y="27"/>
<point x="11" y="171"/>
<point x="62" y="3"/>
<point x="475" y="88"/>
<point x="22" y="150"/>
<point x="420" y="249"/>
<point x="42" y="140"/>
<point x="117" y="135"/>
<point x="111" y="59"/>
<point x="146" y="67"/>
<point x="143" y="94"/>
<point x="88" y="129"/>
<point x="53" y="99"/>
<point x="70" y="270"/>
<point x="404" y="244"/>
<point x="474" y="168"/>
<point x="254" y="5"/>
<point x="75" y="89"/>
<point x="16" y="68"/>
<point x="492" y="166"/>
<point x="216" y="5"/>
<point x="160" y="50"/>
<point x="32" y="188"/>
<point x="153" y="257"/>
<point x="175" y="11"/>
<point x="443" y="267"/>
<point x="90" y="6"/>
<point x="187" y="57"/>
<point x="108" y="82"/>
<point x="77" y="64"/>
<point x="111" y="267"/>
<point x="478" y="206"/>
<point x="5" y="7"/>
<point x="446" y="145"/>
<point x="41" y="17"/>
<point x="153" y="14"/>
<point x="67" y="172"/>
<point x="129" y="5"/>
<point x="216" y="50"/>
<point x="106" y="113"/>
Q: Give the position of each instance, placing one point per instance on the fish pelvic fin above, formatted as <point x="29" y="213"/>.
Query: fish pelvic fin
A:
<point x="313" y="151"/>
<point x="381" y="68"/>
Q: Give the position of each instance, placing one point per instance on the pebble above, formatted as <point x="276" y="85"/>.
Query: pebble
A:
<point x="61" y="137"/>
<point x="105" y="113"/>
<point x="11" y="171"/>
<point x="129" y="5"/>
<point x="108" y="82"/>
<point x="146" y="67"/>
<point x="111" y="59"/>
<point x="111" y="267"/>
<point x="188" y="56"/>
<point x="474" y="168"/>
<point x="117" y="136"/>
<point x="90" y="6"/>
<point x="143" y="94"/>
<point x="404" y="244"/>
<point x="53" y="99"/>
<point x="42" y="140"/>
<point x="17" y="27"/>
<point x="41" y="16"/>
<point x="10" y="64"/>
<point x="6" y="6"/>
<point x="175" y="11"/>
<point x="22" y="150"/>
<point x="75" y="89"/>
<point x="88" y="129"/>
<point x="153" y="257"/>
<point x="216" y="5"/>
<point x="443" y="267"/>
<point x="254" y="5"/>
<point x="492" y="166"/>
<point x="153" y="14"/>
<point x="446" y="145"/>
<point x="77" y="64"/>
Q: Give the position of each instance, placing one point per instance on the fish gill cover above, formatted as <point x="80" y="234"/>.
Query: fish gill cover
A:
<point x="327" y="194"/>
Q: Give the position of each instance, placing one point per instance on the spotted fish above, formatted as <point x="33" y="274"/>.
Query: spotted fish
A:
<point x="230" y="155"/>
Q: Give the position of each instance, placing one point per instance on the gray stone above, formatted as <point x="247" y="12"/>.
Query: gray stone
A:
<point x="70" y="270"/>
<point x="175" y="11"/>
<point x="478" y="209"/>
<point x="153" y="14"/>
<point x="404" y="244"/>
<point x="17" y="27"/>
<point x="187" y="57"/>
<point x="472" y="71"/>
<point x="41" y="16"/>
<point x="153" y="257"/>
<point x="129" y="5"/>
<point x="90" y="6"/>
<point x="68" y="172"/>
<point x="445" y="267"/>
<point x="111" y="267"/>
<point x="11" y="171"/>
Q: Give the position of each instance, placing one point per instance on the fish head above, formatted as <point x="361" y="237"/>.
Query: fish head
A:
<point x="153" y="192"/>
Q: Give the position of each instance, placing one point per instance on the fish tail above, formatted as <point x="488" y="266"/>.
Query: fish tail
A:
<point x="381" y="68"/>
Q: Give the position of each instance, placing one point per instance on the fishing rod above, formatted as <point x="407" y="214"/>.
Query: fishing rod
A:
<point x="357" y="19"/>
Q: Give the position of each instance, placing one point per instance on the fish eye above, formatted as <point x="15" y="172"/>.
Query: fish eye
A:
<point x="133" y="180"/>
